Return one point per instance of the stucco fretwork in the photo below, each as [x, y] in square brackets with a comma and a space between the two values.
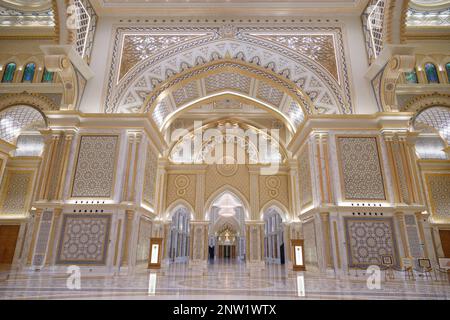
[322, 74]
[36, 100]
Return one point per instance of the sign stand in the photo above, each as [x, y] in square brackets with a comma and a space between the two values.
[298, 254]
[154, 257]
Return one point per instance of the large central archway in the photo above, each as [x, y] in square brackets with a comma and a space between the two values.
[226, 213]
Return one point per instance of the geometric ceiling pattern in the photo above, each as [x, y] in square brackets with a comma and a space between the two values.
[437, 118]
[227, 82]
[16, 16]
[16, 119]
[428, 16]
[145, 58]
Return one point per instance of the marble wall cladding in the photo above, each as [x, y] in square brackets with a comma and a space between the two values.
[306, 196]
[42, 239]
[254, 243]
[94, 171]
[438, 187]
[309, 234]
[16, 192]
[143, 246]
[151, 167]
[368, 239]
[84, 239]
[360, 168]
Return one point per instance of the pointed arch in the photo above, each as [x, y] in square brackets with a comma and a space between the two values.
[271, 92]
[172, 208]
[329, 90]
[231, 95]
[219, 192]
[278, 206]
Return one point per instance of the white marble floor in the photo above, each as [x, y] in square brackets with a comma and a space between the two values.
[217, 281]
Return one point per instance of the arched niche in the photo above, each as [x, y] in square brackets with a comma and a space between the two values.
[21, 125]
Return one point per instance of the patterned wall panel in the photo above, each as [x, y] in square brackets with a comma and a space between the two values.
[438, 186]
[84, 239]
[273, 188]
[401, 173]
[180, 186]
[304, 175]
[360, 168]
[143, 247]
[42, 239]
[309, 234]
[414, 242]
[368, 239]
[151, 166]
[16, 192]
[94, 172]
[239, 180]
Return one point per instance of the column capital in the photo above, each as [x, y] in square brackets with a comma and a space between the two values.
[129, 214]
[399, 213]
[57, 212]
[325, 216]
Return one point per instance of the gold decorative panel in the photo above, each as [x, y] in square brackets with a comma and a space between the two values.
[273, 188]
[438, 186]
[94, 171]
[150, 176]
[181, 186]
[360, 168]
[304, 175]
[16, 193]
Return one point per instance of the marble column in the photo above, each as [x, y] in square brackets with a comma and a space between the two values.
[254, 234]
[254, 194]
[129, 215]
[325, 220]
[36, 222]
[400, 218]
[50, 260]
[199, 243]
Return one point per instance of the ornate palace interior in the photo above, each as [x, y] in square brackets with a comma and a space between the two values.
[226, 131]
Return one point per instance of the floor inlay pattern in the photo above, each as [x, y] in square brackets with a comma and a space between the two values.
[217, 281]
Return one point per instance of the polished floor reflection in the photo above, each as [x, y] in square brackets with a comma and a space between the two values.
[221, 280]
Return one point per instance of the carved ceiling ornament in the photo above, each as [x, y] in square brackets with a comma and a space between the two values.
[32, 99]
[243, 43]
[186, 84]
[396, 66]
[419, 103]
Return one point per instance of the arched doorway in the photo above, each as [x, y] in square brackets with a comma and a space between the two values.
[226, 234]
[274, 246]
[179, 234]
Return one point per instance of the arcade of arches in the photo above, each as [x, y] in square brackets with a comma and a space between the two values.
[225, 137]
